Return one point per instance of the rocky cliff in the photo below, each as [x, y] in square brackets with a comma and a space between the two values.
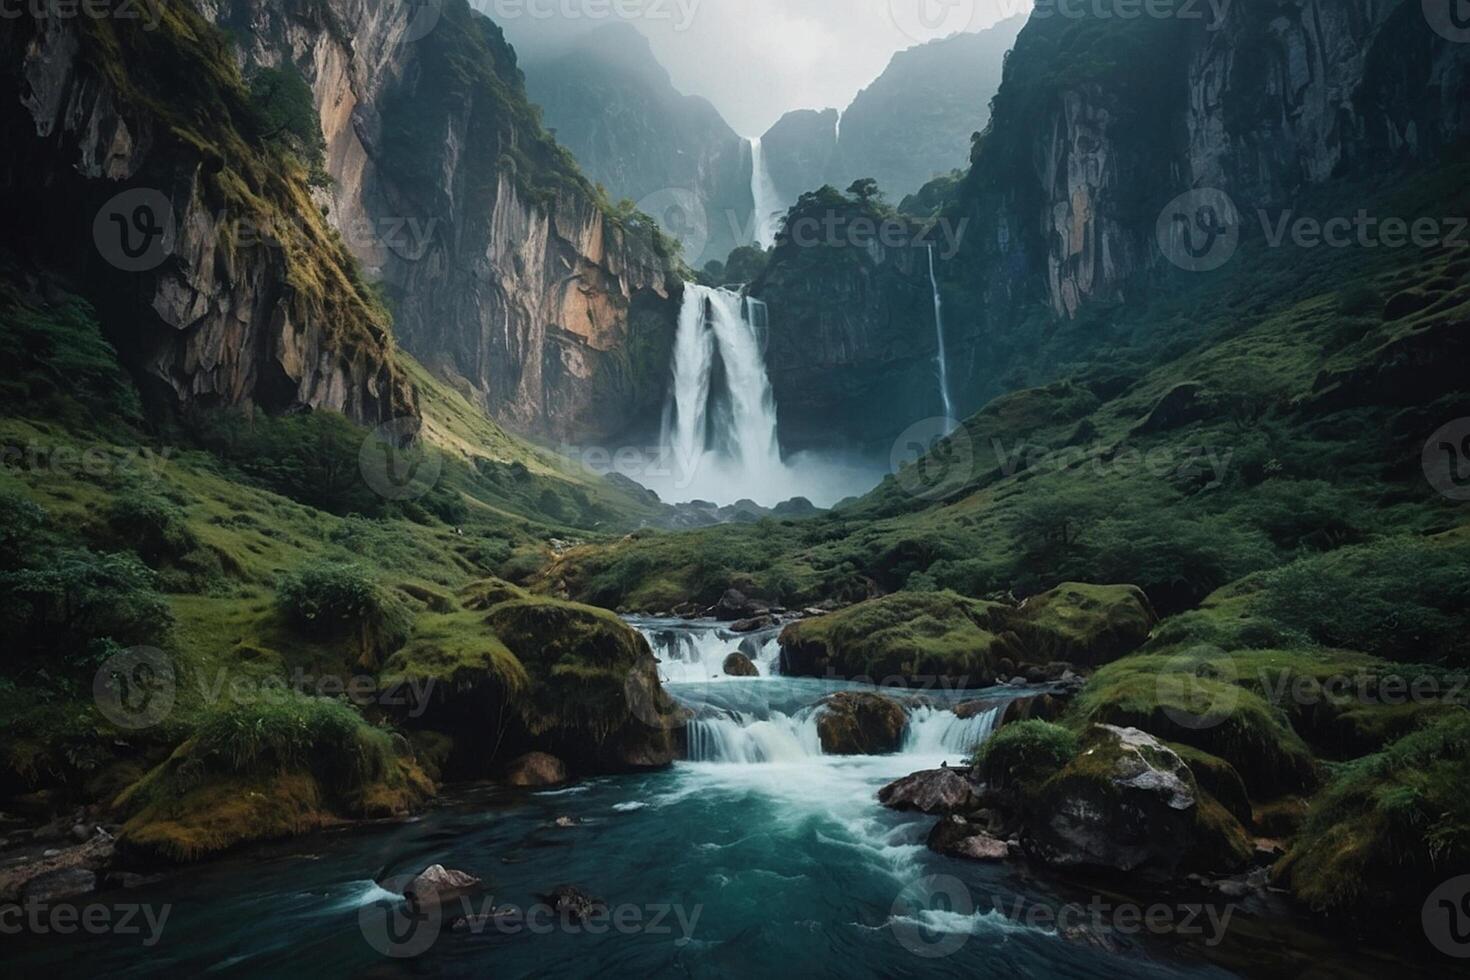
[1098, 126]
[611, 103]
[136, 168]
[507, 272]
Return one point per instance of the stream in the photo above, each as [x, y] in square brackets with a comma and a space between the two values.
[759, 856]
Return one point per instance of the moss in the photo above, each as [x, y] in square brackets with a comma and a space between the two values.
[906, 635]
[584, 664]
[273, 768]
[1389, 827]
[1025, 754]
[1186, 699]
[453, 652]
[1084, 624]
[1219, 779]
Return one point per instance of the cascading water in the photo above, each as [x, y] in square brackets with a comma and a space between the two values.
[690, 653]
[933, 731]
[943, 359]
[763, 193]
[719, 431]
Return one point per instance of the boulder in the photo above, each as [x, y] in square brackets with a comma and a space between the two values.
[753, 625]
[437, 884]
[932, 791]
[739, 665]
[536, 769]
[1126, 801]
[1082, 624]
[851, 723]
[957, 837]
[58, 886]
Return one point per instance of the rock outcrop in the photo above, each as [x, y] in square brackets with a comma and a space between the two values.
[935, 791]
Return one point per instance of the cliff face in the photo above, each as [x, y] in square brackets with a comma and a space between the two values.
[1058, 214]
[611, 103]
[505, 273]
[204, 313]
[1278, 99]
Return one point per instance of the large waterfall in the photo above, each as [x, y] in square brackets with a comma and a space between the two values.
[719, 428]
[943, 359]
[767, 201]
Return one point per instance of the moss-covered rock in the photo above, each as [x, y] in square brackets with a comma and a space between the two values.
[1086, 625]
[1125, 802]
[1389, 827]
[851, 723]
[268, 770]
[905, 635]
[1187, 699]
[1219, 779]
[593, 693]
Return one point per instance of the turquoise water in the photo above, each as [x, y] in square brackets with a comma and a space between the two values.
[717, 869]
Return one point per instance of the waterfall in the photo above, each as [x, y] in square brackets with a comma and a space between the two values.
[763, 192]
[939, 333]
[837, 130]
[933, 731]
[690, 653]
[719, 427]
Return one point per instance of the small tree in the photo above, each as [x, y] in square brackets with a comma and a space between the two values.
[287, 115]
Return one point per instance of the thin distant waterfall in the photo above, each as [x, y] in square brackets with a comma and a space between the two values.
[763, 192]
[837, 130]
[734, 447]
[939, 333]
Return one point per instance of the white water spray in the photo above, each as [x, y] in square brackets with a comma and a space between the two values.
[943, 359]
[767, 202]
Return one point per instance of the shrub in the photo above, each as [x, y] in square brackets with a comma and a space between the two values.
[335, 601]
[1025, 754]
[151, 525]
[1403, 599]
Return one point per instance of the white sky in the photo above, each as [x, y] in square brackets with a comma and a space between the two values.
[758, 59]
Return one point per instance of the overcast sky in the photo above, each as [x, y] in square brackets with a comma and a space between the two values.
[758, 59]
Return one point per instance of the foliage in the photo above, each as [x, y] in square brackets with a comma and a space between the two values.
[1025, 753]
[287, 112]
[340, 601]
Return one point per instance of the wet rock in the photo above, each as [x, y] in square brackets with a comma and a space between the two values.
[574, 903]
[130, 879]
[850, 723]
[957, 837]
[753, 625]
[58, 886]
[506, 915]
[565, 822]
[536, 769]
[739, 665]
[932, 791]
[437, 884]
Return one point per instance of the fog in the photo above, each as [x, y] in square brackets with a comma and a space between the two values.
[756, 59]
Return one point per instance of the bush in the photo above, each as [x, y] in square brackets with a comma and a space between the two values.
[1403, 599]
[77, 604]
[151, 525]
[1025, 754]
[335, 601]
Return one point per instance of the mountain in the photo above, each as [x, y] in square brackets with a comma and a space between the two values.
[609, 101]
[1056, 244]
[913, 122]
